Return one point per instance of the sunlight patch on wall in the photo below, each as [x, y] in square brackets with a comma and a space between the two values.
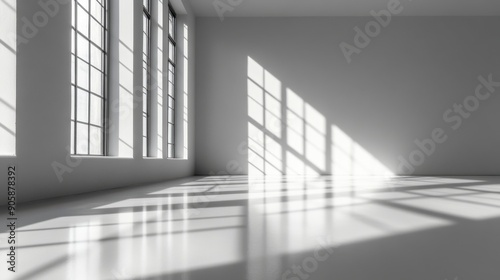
[126, 86]
[287, 135]
[349, 158]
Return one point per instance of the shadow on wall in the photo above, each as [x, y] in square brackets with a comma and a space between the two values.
[287, 135]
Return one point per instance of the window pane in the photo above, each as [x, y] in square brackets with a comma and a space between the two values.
[84, 3]
[83, 47]
[73, 41]
[96, 57]
[96, 81]
[171, 103]
[171, 51]
[73, 98]
[170, 134]
[82, 139]
[145, 23]
[83, 74]
[72, 69]
[145, 76]
[96, 33]
[170, 24]
[95, 110]
[171, 115]
[170, 67]
[72, 143]
[170, 88]
[144, 125]
[96, 10]
[170, 76]
[95, 140]
[83, 21]
[82, 104]
[73, 8]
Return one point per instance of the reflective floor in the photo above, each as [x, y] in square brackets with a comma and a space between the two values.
[342, 228]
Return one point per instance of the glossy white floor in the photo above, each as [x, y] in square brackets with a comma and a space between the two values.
[263, 229]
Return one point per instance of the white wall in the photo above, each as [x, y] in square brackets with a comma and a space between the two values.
[43, 116]
[356, 118]
[8, 81]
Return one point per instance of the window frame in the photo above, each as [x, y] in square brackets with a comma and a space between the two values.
[171, 145]
[104, 72]
[146, 137]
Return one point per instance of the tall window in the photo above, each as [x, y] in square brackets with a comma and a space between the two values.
[171, 82]
[146, 57]
[88, 76]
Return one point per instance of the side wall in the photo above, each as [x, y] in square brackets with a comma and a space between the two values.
[43, 112]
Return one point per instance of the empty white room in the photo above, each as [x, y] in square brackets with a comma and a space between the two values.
[249, 139]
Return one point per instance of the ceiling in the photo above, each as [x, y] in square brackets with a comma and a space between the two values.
[293, 8]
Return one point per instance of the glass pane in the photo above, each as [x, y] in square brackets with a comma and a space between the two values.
[83, 47]
[170, 134]
[82, 139]
[170, 76]
[96, 81]
[171, 25]
[73, 103]
[171, 117]
[159, 55]
[83, 74]
[95, 110]
[96, 10]
[145, 76]
[84, 3]
[73, 69]
[82, 103]
[95, 141]
[96, 33]
[171, 102]
[145, 126]
[73, 41]
[170, 89]
[160, 13]
[144, 147]
[171, 51]
[73, 8]
[72, 143]
[83, 21]
[96, 56]
[145, 102]
[170, 67]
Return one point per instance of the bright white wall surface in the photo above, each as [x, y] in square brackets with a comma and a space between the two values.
[277, 95]
[8, 77]
[43, 109]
